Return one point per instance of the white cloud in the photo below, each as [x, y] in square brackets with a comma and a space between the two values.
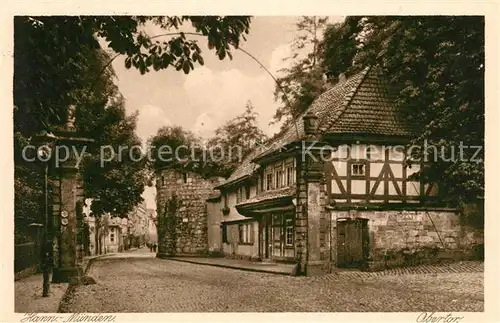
[220, 96]
[277, 59]
[204, 125]
[151, 118]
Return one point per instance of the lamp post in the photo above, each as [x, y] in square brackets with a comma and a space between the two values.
[44, 155]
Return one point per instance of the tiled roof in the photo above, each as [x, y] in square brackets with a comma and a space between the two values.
[213, 195]
[245, 168]
[371, 110]
[327, 107]
[271, 195]
[362, 104]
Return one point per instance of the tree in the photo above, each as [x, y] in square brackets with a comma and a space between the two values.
[339, 46]
[173, 146]
[59, 61]
[51, 52]
[436, 64]
[28, 199]
[116, 182]
[235, 140]
[303, 81]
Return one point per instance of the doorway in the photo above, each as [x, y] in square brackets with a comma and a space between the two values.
[277, 236]
[352, 243]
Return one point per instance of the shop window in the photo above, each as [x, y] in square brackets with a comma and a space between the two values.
[245, 231]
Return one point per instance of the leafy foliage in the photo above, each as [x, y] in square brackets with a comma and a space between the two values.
[59, 61]
[437, 65]
[173, 146]
[303, 81]
[47, 81]
[218, 156]
[28, 199]
[236, 139]
[116, 184]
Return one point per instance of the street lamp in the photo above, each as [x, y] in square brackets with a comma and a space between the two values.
[44, 155]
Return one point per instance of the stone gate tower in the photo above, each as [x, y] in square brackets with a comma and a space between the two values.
[182, 216]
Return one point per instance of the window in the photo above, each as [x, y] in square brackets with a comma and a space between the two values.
[245, 233]
[279, 178]
[112, 237]
[269, 182]
[239, 195]
[289, 176]
[247, 192]
[358, 169]
[185, 177]
[289, 232]
[163, 180]
[224, 233]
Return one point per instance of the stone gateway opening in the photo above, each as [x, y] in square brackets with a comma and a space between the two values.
[353, 243]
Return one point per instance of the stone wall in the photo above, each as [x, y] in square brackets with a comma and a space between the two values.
[403, 237]
[214, 214]
[191, 217]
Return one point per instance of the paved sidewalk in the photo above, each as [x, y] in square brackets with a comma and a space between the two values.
[256, 266]
[28, 293]
[29, 299]
[442, 268]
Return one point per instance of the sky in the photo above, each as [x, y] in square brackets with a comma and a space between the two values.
[212, 94]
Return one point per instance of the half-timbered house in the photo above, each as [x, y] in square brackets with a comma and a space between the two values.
[336, 190]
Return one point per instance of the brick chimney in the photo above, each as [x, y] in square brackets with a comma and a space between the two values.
[310, 123]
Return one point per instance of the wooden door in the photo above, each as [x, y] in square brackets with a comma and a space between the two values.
[352, 242]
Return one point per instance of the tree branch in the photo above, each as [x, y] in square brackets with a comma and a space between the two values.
[238, 48]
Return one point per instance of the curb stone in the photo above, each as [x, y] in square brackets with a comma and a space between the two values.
[231, 267]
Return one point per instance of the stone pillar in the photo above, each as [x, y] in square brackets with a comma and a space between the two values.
[312, 227]
[67, 267]
[317, 263]
[65, 201]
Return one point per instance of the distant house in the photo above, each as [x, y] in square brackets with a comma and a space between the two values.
[114, 235]
[113, 232]
[152, 233]
[138, 226]
[334, 190]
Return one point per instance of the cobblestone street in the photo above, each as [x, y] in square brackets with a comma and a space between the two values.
[147, 284]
